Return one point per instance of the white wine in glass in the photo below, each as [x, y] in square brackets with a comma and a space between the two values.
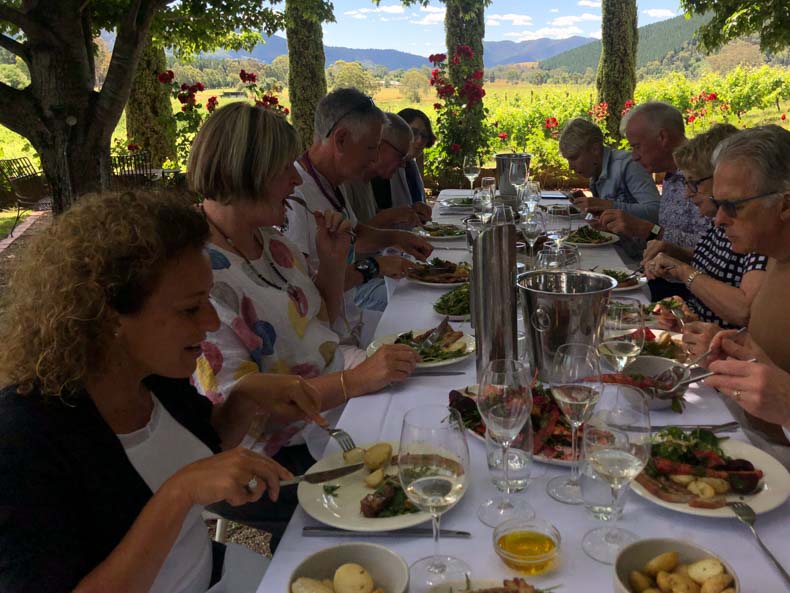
[517, 176]
[433, 466]
[623, 333]
[471, 169]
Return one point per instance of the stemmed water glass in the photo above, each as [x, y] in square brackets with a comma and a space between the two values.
[575, 383]
[504, 399]
[471, 169]
[623, 333]
[533, 227]
[433, 466]
[616, 449]
[531, 196]
[559, 225]
[517, 175]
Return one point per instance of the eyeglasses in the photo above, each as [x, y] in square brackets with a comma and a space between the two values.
[693, 184]
[730, 207]
[419, 134]
[367, 105]
[404, 157]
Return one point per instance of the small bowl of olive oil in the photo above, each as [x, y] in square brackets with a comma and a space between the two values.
[528, 546]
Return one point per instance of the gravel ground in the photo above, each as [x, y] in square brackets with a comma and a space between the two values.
[254, 539]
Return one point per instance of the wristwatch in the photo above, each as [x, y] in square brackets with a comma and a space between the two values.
[369, 268]
[655, 232]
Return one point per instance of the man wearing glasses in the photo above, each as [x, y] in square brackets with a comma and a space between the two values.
[346, 139]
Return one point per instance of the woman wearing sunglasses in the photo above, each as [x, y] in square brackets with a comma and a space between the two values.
[423, 138]
[721, 282]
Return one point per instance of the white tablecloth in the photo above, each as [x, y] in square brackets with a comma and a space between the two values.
[378, 417]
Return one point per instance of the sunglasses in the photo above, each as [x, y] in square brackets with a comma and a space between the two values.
[693, 184]
[730, 207]
[367, 105]
[404, 157]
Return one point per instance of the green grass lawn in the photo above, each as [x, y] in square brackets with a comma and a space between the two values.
[7, 218]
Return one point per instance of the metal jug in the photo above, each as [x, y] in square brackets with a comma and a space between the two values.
[493, 294]
[561, 307]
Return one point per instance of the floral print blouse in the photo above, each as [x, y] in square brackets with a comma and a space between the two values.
[276, 325]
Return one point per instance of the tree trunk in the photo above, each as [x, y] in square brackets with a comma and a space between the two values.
[149, 114]
[306, 77]
[66, 120]
[616, 79]
[464, 24]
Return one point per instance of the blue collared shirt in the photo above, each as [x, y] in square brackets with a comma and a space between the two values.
[627, 184]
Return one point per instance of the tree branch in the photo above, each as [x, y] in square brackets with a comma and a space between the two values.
[30, 27]
[14, 47]
[18, 112]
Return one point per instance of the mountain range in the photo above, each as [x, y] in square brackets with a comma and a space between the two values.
[495, 53]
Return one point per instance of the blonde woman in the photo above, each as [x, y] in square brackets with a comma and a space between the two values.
[108, 454]
[275, 312]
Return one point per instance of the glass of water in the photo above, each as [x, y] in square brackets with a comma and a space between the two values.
[489, 184]
[531, 196]
[504, 400]
[623, 333]
[519, 461]
[616, 449]
[473, 228]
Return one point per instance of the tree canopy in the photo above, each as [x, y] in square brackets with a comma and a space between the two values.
[770, 19]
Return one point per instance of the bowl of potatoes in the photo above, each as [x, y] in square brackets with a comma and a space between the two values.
[351, 568]
[672, 566]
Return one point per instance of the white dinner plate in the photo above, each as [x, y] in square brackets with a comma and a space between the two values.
[641, 280]
[453, 317]
[342, 509]
[437, 284]
[612, 239]
[461, 237]
[467, 339]
[469, 391]
[775, 484]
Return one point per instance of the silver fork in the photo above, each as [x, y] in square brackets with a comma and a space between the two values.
[746, 515]
[303, 204]
[342, 437]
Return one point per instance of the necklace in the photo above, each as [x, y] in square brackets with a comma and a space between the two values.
[291, 290]
[337, 201]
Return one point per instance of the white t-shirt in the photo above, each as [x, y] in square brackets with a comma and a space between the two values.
[301, 231]
[157, 451]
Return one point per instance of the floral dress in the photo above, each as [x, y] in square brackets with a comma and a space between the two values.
[276, 325]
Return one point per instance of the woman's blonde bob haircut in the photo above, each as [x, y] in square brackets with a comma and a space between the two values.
[99, 260]
[238, 152]
[696, 155]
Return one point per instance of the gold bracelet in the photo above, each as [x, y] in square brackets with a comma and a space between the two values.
[343, 385]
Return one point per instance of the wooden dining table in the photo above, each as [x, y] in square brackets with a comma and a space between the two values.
[378, 417]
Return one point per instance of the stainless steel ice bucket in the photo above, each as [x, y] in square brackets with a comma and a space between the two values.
[493, 294]
[561, 307]
[503, 160]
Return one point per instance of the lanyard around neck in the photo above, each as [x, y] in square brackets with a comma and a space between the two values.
[334, 197]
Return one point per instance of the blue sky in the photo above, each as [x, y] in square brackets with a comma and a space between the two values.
[420, 30]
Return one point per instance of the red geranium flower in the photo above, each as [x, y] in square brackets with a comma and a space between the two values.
[437, 106]
[477, 74]
[133, 147]
[211, 104]
[783, 117]
[166, 77]
[551, 122]
[712, 96]
[502, 135]
[437, 58]
[455, 147]
[456, 60]
[465, 51]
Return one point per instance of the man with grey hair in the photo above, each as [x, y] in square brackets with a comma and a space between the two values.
[654, 130]
[347, 134]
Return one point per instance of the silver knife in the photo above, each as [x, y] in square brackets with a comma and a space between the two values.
[409, 531]
[420, 373]
[324, 476]
[728, 427]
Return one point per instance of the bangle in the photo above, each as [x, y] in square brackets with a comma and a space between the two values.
[343, 385]
[693, 276]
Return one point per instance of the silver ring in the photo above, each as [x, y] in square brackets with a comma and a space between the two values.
[737, 394]
[252, 484]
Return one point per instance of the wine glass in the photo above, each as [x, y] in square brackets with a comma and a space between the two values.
[504, 399]
[531, 195]
[575, 384]
[517, 175]
[489, 184]
[553, 256]
[433, 466]
[559, 225]
[616, 449]
[471, 168]
[533, 227]
[623, 333]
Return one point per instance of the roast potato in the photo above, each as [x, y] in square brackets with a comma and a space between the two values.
[378, 456]
[352, 578]
[716, 584]
[666, 562]
[702, 570]
[355, 455]
[306, 585]
[374, 479]
[639, 581]
[680, 583]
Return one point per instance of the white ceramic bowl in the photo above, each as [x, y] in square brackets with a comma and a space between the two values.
[389, 571]
[635, 556]
[652, 366]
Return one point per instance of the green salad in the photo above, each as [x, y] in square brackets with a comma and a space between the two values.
[433, 353]
[455, 302]
[587, 235]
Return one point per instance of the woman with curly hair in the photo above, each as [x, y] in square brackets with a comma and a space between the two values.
[108, 454]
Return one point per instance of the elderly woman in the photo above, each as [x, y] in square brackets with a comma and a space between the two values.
[275, 311]
[109, 454]
[721, 282]
[616, 181]
[423, 138]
